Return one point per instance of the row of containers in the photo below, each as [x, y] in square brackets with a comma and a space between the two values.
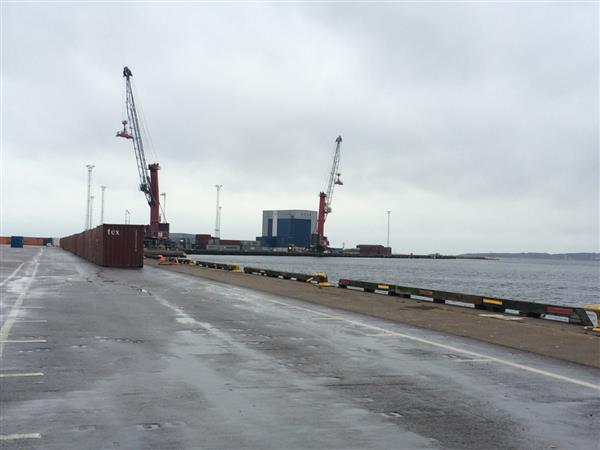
[109, 245]
[20, 241]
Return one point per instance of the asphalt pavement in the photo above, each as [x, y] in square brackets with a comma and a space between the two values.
[97, 358]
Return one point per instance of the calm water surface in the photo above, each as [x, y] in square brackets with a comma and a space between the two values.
[550, 281]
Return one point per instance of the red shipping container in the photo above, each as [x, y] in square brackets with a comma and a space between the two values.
[229, 242]
[202, 239]
[33, 241]
[110, 245]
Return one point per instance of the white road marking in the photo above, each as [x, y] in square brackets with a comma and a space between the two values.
[473, 360]
[7, 325]
[14, 375]
[22, 341]
[500, 316]
[11, 275]
[447, 347]
[427, 342]
[13, 437]
[22, 320]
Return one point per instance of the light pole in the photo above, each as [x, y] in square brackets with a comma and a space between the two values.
[388, 230]
[87, 202]
[127, 216]
[218, 218]
[91, 210]
[164, 203]
[103, 188]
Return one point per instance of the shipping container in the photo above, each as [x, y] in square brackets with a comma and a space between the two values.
[374, 250]
[202, 239]
[229, 248]
[16, 241]
[110, 245]
[33, 241]
[4, 240]
[229, 242]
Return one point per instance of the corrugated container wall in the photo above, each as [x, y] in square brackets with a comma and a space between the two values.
[109, 245]
[16, 241]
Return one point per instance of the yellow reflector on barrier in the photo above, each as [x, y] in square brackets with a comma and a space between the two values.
[382, 286]
[492, 302]
[594, 309]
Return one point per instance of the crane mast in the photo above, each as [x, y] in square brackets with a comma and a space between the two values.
[326, 198]
[148, 174]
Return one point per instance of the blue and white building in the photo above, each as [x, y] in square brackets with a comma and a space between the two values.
[281, 228]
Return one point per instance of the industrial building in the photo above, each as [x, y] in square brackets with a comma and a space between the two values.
[281, 228]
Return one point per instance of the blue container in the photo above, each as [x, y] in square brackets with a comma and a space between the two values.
[16, 241]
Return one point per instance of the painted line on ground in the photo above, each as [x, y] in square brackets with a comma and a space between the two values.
[14, 437]
[473, 360]
[447, 347]
[22, 320]
[12, 315]
[428, 342]
[15, 375]
[8, 278]
[22, 341]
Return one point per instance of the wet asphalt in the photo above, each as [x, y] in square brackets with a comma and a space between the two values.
[97, 358]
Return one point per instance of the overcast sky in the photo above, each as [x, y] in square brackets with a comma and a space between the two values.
[476, 124]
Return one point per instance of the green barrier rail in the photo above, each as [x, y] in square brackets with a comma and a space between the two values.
[529, 309]
[317, 278]
[221, 266]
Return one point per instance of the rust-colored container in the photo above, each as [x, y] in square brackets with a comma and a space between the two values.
[109, 245]
[4, 240]
[33, 241]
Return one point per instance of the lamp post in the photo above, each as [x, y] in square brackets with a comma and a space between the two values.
[103, 188]
[164, 208]
[87, 202]
[127, 216]
[91, 211]
[388, 228]
[218, 217]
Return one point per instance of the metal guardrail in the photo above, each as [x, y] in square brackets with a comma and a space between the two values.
[317, 278]
[529, 309]
[221, 266]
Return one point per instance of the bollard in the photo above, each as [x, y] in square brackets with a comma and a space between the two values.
[596, 310]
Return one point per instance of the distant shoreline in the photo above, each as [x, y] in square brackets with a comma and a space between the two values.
[582, 256]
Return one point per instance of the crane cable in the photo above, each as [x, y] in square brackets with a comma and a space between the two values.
[144, 129]
[150, 142]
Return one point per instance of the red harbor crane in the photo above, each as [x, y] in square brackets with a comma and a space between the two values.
[148, 174]
[319, 240]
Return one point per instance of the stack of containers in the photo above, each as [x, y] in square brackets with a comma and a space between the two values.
[109, 245]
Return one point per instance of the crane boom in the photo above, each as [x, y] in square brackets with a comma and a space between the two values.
[136, 137]
[148, 174]
[332, 176]
[326, 197]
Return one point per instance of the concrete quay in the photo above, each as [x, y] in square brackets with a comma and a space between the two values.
[96, 358]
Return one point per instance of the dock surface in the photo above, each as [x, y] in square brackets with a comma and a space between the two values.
[149, 358]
